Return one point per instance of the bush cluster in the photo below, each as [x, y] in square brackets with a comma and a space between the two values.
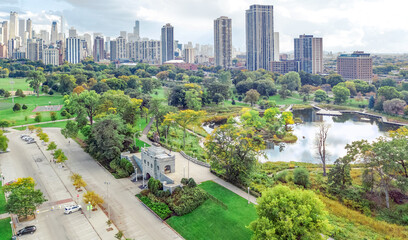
[122, 167]
[185, 200]
[160, 208]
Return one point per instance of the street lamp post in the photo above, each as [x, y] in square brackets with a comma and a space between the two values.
[107, 196]
[248, 195]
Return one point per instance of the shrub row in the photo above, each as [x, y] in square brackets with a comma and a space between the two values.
[161, 209]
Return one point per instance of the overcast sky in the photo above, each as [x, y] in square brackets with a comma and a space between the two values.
[378, 26]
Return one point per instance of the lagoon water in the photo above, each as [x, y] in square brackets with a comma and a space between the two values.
[344, 130]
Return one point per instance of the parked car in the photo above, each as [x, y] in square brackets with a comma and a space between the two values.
[73, 208]
[30, 141]
[27, 230]
[28, 138]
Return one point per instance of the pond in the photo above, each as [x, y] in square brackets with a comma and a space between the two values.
[343, 130]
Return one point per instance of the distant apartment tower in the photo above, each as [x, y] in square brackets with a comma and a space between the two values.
[113, 50]
[259, 37]
[21, 28]
[167, 42]
[276, 46]
[188, 55]
[73, 50]
[3, 50]
[309, 52]
[54, 32]
[358, 65]
[72, 33]
[223, 42]
[45, 36]
[146, 51]
[29, 28]
[121, 47]
[34, 49]
[285, 66]
[5, 32]
[136, 30]
[98, 49]
[13, 28]
[51, 56]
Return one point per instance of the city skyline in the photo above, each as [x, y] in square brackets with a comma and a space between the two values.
[345, 25]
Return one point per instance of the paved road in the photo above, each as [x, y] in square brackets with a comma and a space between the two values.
[26, 160]
[128, 214]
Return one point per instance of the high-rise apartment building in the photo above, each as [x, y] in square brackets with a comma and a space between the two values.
[73, 50]
[167, 42]
[309, 51]
[136, 30]
[21, 28]
[5, 32]
[29, 28]
[88, 39]
[189, 55]
[34, 50]
[276, 46]
[12, 46]
[223, 42]
[51, 56]
[3, 50]
[146, 51]
[45, 36]
[121, 47]
[72, 33]
[358, 65]
[98, 49]
[13, 28]
[54, 32]
[259, 37]
[113, 50]
[123, 34]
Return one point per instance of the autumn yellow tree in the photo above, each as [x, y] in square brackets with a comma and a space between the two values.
[77, 181]
[93, 198]
[185, 118]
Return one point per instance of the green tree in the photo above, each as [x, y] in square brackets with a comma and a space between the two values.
[341, 94]
[388, 92]
[371, 102]
[35, 80]
[233, 150]
[16, 107]
[3, 141]
[86, 102]
[320, 96]
[53, 116]
[38, 117]
[20, 93]
[52, 146]
[291, 80]
[23, 199]
[193, 100]
[252, 96]
[4, 124]
[290, 214]
[71, 129]
[158, 109]
[67, 83]
[334, 79]
[301, 177]
[339, 177]
[394, 106]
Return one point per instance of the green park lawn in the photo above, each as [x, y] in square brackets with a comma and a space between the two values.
[5, 229]
[2, 201]
[19, 83]
[211, 221]
[229, 103]
[46, 125]
[6, 108]
[294, 99]
[160, 94]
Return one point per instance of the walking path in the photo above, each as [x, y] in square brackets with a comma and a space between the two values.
[25, 125]
[4, 215]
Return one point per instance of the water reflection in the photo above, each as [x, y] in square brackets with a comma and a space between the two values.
[344, 129]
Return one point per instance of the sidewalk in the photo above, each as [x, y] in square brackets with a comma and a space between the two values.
[4, 215]
[97, 218]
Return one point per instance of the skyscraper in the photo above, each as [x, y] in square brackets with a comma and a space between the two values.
[45, 36]
[136, 30]
[72, 33]
[29, 28]
[167, 42]
[34, 49]
[276, 46]
[51, 56]
[98, 49]
[21, 28]
[259, 37]
[54, 32]
[5, 32]
[13, 29]
[309, 51]
[223, 42]
[73, 50]
[113, 51]
[121, 47]
[189, 55]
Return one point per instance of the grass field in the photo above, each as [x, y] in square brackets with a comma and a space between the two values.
[160, 94]
[46, 125]
[295, 99]
[2, 201]
[5, 229]
[211, 221]
[6, 111]
[229, 103]
[19, 83]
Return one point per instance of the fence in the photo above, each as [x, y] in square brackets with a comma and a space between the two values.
[194, 160]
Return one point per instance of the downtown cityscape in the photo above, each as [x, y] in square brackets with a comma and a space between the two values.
[203, 120]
